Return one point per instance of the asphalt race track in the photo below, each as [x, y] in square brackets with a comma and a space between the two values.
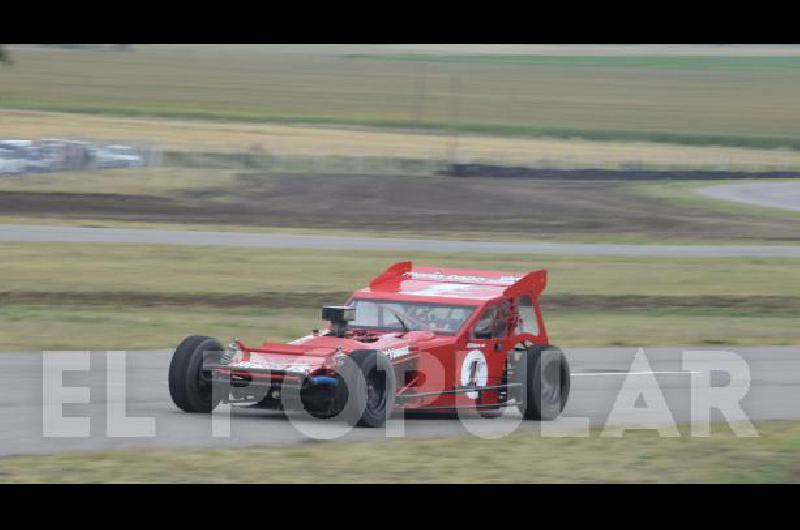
[65, 234]
[784, 195]
[598, 374]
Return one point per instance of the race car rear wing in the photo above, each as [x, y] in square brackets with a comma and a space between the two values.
[513, 283]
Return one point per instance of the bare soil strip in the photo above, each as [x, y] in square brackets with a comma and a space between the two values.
[422, 205]
[750, 304]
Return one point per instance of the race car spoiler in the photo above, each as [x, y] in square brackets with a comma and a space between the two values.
[514, 283]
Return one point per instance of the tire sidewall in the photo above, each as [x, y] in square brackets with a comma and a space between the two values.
[544, 360]
[354, 374]
[184, 375]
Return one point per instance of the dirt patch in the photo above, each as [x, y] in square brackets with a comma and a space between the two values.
[772, 305]
[99, 205]
[424, 205]
[272, 300]
[495, 171]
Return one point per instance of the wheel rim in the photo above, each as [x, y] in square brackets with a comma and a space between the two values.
[204, 386]
[551, 383]
[376, 392]
[202, 383]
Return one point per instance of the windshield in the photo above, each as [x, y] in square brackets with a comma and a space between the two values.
[417, 316]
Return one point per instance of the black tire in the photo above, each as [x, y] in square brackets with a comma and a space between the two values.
[189, 391]
[370, 384]
[545, 383]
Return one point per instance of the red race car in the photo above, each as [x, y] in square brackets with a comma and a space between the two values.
[418, 339]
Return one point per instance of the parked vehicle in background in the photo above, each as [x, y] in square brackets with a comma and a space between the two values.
[9, 164]
[13, 157]
[16, 144]
[67, 155]
[27, 152]
[61, 154]
[112, 156]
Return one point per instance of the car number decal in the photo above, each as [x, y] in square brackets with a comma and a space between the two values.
[474, 371]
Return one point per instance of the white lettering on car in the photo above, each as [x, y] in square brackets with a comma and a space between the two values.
[439, 277]
[394, 353]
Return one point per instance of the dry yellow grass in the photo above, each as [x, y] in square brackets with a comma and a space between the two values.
[195, 135]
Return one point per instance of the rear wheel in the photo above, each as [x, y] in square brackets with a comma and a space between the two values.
[545, 383]
[189, 387]
[370, 383]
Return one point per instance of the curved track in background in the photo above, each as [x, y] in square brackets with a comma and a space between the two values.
[785, 195]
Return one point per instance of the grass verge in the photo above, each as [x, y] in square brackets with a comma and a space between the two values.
[99, 328]
[154, 269]
[637, 457]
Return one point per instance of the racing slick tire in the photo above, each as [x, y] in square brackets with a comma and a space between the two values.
[189, 390]
[545, 383]
[370, 384]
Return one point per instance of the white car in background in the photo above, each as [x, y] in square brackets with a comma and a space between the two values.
[9, 166]
[59, 154]
[11, 161]
[116, 156]
[16, 144]
[22, 156]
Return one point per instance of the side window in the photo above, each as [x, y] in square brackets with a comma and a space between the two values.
[493, 323]
[527, 316]
[483, 328]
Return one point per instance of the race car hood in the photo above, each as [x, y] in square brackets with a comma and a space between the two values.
[313, 352]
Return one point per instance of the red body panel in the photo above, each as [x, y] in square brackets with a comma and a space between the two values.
[426, 362]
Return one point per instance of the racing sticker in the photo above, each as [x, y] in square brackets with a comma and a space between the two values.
[439, 277]
[296, 366]
[452, 290]
[394, 353]
[474, 371]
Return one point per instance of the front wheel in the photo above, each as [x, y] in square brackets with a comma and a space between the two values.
[189, 387]
[545, 382]
[370, 383]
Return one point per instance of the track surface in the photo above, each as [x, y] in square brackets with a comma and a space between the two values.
[784, 195]
[41, 233]
[597, 377]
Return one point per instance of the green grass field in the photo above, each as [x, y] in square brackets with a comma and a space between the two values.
[73, 296]
[638, 457]
[660, 62]
[736, 101]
